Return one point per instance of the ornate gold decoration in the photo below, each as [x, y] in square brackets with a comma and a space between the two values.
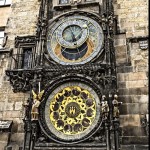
[90, 49]
[36, 104]
[72, 110]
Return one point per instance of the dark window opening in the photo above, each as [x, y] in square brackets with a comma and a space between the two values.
[27, 58]
[5, 2]
[63, 1]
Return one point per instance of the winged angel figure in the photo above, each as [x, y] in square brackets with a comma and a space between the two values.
[36, 104]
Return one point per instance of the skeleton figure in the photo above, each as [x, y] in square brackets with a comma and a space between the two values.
[26, 106]
[104, 107]
[36, 104]
[75, 1]
[116, 105]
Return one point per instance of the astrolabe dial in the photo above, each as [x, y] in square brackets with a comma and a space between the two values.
[74, 40]
[72, 34]
[72, 111]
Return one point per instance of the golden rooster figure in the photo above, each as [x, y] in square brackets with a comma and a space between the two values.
[36, 104]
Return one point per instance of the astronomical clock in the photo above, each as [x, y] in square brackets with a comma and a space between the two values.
[70, 73]
[76, 39]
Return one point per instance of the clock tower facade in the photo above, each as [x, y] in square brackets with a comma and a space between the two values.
[68, 69]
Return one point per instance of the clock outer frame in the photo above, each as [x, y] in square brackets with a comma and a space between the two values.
[54, 23]
[50, 88]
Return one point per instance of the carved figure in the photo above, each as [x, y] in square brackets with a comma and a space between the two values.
[104, 107]
[116, 105]
[36, 104]
[26, 106]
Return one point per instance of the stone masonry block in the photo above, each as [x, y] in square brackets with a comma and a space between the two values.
[135, 140]
[1, 115]
[133, 98]
[121, 61]
[124, 69]
[12, 114]
[133, 131]
[120, 40]
[9, 106]
[121, 50]
[138, 91]
[143, 108]
[3, 144]
[2, 106]
[4, 136]
[18, 105]
[129, 108]
[18, 136]
[144, 99]
[130, 120]
[134, 84]
[121, 84]
[133, 91]
[137, 76]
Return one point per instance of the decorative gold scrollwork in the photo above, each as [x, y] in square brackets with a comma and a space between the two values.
[72, 110]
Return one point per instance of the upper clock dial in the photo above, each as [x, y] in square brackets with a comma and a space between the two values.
[74, 40]
[72, 34]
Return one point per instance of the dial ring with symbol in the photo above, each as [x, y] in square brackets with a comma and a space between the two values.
[70, 28]
[84, 50]
[83, 120]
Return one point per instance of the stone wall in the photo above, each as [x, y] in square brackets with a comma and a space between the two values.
[132, 68]
[21, 22]
[4, 13]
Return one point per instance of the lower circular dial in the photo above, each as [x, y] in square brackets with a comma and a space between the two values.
[72, 112]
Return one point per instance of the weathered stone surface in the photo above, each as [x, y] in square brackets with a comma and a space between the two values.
[135, 140]
[18, 105]
[1, 106]
[122, 84]
[138, 83]
[133, 91]
[9, 106]
[124, 69]
[143, 108]
[12, 114]
[18, 136]
[120, 40]
[129, 108]
[132, 17]
[133, 98]
[4, 136]
[130, 120]
[5, 12]
[134, 76]
[134, 147]
[133, 131]
[3, 144]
